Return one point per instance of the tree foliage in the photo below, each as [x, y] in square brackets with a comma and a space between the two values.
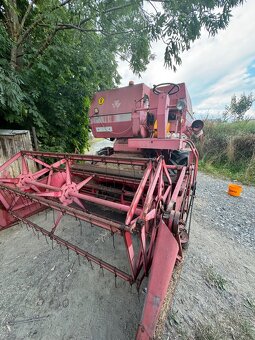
[238, 107]
[55, 54]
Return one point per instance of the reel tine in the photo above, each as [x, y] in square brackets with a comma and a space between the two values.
[90, 263]
[61, 248]
[80, 227]
[113, 241]
[67, 253]
[130, 287]
[115, 279]
[53, 214]
[119, 168]
[102, 269]
[79, 260]
[46, 239]
[52, 243]
[76, 218]
[138, 290]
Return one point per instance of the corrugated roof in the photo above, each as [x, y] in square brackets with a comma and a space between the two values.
[5, 132]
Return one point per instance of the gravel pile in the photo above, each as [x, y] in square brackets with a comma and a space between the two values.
[232, 215]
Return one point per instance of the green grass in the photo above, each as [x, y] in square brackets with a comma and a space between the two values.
[208, 332]
[228, 150]
[229, 171]
[235, 328]
[231, 129]
[214, 279]
[250, 304]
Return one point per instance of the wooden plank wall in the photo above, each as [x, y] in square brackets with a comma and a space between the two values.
[12, 144]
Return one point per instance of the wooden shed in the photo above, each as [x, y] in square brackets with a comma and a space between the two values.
[11, 142]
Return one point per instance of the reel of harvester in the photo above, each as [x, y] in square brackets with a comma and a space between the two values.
[144, 201]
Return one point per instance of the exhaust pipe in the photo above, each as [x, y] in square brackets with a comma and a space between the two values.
[197, 128]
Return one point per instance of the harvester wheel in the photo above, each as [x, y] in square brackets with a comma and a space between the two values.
[184, 239]
[107, 151]
[179, 157]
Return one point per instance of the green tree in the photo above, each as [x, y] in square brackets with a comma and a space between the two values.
[238, 107]
[129, 26]
[54, 53]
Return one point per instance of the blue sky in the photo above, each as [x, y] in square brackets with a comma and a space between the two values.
[214, 68]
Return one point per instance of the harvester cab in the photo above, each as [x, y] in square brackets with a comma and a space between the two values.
[141, 190]
[143, 121]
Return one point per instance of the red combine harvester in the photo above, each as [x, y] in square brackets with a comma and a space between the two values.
[145, 185]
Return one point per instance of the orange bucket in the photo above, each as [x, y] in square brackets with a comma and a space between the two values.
[235, 190]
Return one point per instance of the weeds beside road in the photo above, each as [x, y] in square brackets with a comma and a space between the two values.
[229, 150]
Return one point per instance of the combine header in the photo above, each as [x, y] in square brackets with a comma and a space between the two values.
[142, 189]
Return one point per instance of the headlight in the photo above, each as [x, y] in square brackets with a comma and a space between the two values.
[181, 104]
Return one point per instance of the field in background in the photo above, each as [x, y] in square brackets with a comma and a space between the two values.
[228, 149]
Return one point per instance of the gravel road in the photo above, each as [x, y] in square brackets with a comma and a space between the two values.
[43, 296]
[215, 298]
[233, 216]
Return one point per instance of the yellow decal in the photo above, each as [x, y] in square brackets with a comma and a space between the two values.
[101, 101]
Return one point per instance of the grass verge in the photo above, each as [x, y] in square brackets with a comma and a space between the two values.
[228, 150]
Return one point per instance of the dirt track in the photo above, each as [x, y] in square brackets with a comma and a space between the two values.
[43, 296]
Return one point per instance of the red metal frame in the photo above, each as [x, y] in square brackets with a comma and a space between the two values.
[63, 186]
[151, 198]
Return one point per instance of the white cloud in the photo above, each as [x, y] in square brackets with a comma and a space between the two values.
[214, 68]
[220, 93]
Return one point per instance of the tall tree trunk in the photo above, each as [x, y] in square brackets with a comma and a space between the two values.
[14, 29]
